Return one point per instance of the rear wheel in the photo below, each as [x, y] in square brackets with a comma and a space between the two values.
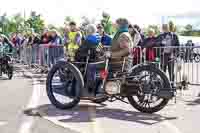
[152, 80]
[64, 86]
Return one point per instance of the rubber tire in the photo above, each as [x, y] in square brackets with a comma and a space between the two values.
[166, 84]
[10, 72]
[100, 100]
[197, 58]
[49, 90]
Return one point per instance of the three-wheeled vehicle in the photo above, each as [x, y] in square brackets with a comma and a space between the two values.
[144, 86]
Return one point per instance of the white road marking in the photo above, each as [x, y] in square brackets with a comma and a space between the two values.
[33, 103]
[26, 126]
[2, 123]
[95, 123]
[170, 126]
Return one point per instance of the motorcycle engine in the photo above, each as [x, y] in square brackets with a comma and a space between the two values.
[113, 87]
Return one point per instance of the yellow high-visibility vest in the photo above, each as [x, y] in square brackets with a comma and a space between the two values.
[72, 37]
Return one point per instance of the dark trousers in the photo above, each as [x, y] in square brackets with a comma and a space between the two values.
[168, 62]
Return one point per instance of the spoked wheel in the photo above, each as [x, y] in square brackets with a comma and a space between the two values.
[152, 80]
[197, 58]
[63, 86]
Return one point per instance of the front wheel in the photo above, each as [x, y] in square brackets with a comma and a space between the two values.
[197, 58]
[152, 81]
[64, 84]
[10, 72]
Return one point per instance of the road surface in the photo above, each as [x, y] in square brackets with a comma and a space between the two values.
[25, 108]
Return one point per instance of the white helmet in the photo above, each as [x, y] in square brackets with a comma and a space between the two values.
[91, 29]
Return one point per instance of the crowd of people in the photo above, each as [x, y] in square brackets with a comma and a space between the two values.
[76, 39]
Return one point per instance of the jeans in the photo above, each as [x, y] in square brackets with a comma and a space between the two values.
[167, 61]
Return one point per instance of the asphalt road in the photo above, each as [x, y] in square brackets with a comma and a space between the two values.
[15, 97]
[27, 91]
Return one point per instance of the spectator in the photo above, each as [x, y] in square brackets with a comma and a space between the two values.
[168, 39]
[55, 52]
[106, 23]
[55, 38]
[74, 40]
[105, 38]
[136, 38]
[46, 37]
[15, 40]
[135, 34]
[138, 29]
[66, 35]
[189, 50]
[16, 43]
[149, 43]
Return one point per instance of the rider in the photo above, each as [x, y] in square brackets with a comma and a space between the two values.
[5, 45]
[91, 42]
[8, 46]
[122, 44]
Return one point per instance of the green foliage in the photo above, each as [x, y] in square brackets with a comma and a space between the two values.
[172, 27]
[156, 28]
[68, 19]
[36, 23]
[189, 31]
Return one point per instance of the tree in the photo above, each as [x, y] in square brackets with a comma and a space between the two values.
[189, 27]
[35, 22]
[172, 27]
[4, 21]
[154, 27]
[68, 19]
[50, 26]
[16, 23]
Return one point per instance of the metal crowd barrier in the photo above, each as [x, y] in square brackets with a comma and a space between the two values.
[41, 56]
[181, 64]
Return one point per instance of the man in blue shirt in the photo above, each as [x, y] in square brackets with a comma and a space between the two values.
[105, 38]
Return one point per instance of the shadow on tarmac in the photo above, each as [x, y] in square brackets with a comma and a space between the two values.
[193, 103]
[80, 114]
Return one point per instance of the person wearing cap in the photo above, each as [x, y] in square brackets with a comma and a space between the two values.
[73, 40]
[106, 23]
[122, 45]
[105, 38]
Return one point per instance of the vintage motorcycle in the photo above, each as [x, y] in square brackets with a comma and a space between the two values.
[6, 66]
[144, 86]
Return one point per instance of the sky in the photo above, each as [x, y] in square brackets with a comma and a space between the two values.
[141, 12]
